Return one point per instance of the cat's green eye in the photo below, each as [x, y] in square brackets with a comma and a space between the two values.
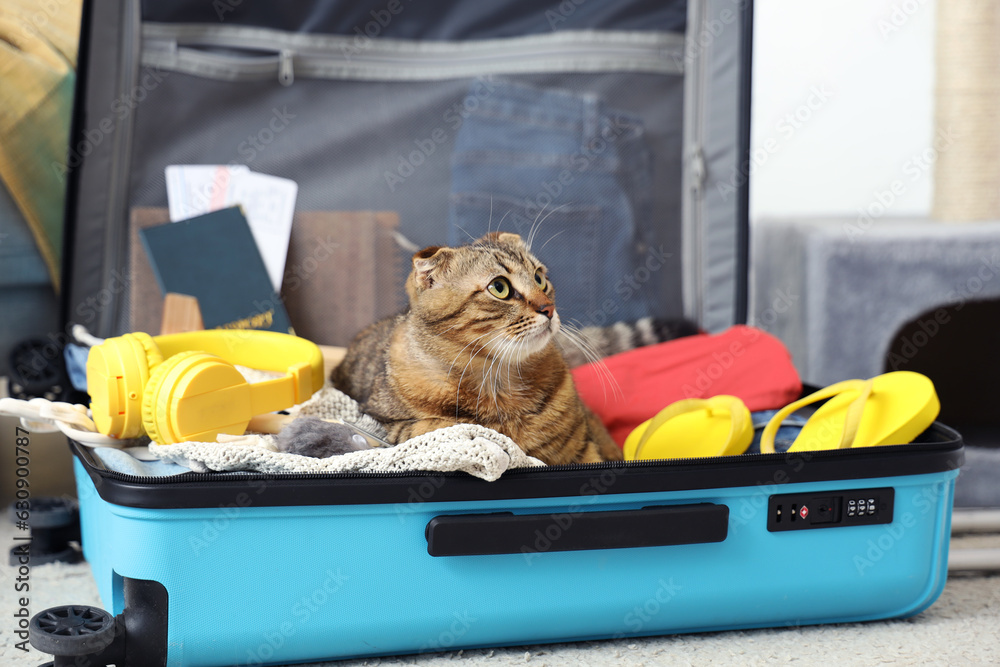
[540, 280]
[500, 288]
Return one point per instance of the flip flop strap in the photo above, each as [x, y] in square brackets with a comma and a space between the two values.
[730, 403]
[852, 420]
[767, 437]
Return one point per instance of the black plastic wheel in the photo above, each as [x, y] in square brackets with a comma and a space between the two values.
[71, 630]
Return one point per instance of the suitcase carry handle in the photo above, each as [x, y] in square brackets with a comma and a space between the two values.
[508, 533]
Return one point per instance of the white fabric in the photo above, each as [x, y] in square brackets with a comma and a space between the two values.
[470, 448]
[474, 449]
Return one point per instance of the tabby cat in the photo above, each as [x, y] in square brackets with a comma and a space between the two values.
[476, 346]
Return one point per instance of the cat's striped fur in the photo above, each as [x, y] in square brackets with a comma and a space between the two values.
[468, 351]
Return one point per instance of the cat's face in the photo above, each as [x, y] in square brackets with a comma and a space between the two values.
[491, 295]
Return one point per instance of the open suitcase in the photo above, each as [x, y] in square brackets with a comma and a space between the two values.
[628, 123]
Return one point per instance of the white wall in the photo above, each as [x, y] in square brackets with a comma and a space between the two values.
[842, 107]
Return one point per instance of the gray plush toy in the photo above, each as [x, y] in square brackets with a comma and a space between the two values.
[320, 439]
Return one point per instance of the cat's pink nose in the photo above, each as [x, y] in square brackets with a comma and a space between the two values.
[548, 310]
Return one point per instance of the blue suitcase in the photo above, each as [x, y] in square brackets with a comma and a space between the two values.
[627, 124]
[257, 569]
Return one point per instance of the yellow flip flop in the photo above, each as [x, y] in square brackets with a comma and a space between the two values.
[692, 428]
[889, 409]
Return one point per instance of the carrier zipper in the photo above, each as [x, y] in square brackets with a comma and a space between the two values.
[115, 242]
[692, 202]
[241, 53]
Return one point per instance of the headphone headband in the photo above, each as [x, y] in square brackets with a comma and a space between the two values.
[183, 386]
[262, 350]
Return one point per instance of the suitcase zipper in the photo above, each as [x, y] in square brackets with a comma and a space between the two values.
[407, 490]
[867, 453]
[239, 53]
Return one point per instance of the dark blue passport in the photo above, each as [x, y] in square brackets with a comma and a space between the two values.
[213, 258]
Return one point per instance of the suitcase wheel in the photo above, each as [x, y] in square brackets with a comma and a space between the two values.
[83, 635]
[72, 630]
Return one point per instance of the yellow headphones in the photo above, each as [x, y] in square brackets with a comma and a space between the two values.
[184, 386]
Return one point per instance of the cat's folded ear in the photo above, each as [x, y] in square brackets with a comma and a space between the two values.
[428, 264]
[506, 238]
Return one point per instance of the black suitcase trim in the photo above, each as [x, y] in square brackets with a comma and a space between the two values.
[938, 449]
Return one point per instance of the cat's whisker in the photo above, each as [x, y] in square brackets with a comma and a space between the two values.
[531, 230]
[397, 367]
[511, 358]
[495, 363]
[515, 355]
[514, 358]
[535, 224]
[573, 335]
[519, 376]
[538, 225]
[482, 383]
[453, 326]
[599, 366]
[489, 221]
[550, 239]
[466, 232]
[464, 348]
[496, 385]
[500, 224]
[458, 390]
[502, 357]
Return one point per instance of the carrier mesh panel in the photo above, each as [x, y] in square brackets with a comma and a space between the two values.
[385, 167]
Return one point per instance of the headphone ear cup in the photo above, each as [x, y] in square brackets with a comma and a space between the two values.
[195, 396]
[152, 391]
[117, 372]
[153, 355]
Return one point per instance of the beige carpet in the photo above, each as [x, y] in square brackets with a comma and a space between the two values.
[962, 628]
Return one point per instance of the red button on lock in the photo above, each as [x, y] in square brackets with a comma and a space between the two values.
[804, 512]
